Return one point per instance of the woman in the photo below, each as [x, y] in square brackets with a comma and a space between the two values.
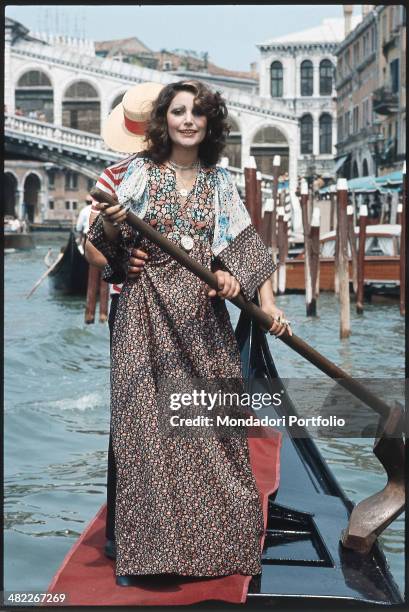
[184, 506]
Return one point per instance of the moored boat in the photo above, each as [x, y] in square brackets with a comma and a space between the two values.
[70, 276]
[302, 558]
[51, 226]
[20, 241]
[381, 261]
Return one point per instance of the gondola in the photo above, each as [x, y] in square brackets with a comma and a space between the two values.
[70, 276]
[302, 559]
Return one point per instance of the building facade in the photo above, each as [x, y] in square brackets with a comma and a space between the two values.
[389, 98]
[65, 90]
[371, 94]
[356, 80]
[299, 68]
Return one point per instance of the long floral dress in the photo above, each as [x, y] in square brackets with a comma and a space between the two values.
[186, 506]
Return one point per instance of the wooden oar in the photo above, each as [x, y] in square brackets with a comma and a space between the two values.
[263, 319]
[40, 280]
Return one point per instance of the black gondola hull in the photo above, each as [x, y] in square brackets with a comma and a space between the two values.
[70, 277]
[303, 558]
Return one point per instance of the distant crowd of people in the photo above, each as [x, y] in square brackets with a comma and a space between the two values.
[38, 115]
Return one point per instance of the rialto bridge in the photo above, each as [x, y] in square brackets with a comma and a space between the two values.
[57, 96]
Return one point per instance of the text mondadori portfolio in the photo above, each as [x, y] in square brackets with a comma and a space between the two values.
[253, 421]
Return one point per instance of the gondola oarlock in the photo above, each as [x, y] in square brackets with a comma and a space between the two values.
[391, 506]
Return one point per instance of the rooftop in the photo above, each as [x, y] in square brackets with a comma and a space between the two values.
[331, 30]
[124, 45]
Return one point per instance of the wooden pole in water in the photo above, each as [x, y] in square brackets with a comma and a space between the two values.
[315, 256]
[250, 181]
[257, 219]
[343, 266]
[332, 196]
[103, 300]
[363, 216]
[403, 244]
[92, 291]
[352, 245]
[259, 204]
[287, 207]
[285, 227]
[399, 213]
[310, 308]
[281, 249]
[266, 222]
[336, 253]
[274, 246]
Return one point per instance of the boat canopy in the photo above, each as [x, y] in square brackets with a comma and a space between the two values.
[370, 184]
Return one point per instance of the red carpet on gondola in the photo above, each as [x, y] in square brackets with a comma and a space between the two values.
[88, 577]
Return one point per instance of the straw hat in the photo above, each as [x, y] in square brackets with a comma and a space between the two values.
[124, 130]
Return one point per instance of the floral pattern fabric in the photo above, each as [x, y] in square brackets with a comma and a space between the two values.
[186, 506]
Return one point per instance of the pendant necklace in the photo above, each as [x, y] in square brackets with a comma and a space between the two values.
[186, 241]
[183, 191]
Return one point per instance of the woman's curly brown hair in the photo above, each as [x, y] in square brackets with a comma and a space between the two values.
[211, 104]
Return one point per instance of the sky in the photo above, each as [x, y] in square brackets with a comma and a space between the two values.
[228, 33]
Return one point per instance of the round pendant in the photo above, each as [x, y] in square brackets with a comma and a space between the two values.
[187, 243]
[183, 192]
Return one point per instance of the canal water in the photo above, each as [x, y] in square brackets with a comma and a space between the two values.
[57, 412]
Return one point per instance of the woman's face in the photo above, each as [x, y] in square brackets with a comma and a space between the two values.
[186, 123]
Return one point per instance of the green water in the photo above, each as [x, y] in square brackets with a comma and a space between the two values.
[57, 420]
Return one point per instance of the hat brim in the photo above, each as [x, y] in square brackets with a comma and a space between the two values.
[117, 137]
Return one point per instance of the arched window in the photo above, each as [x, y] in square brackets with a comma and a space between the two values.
[268, 142]
[307, 78]
[365, 171]
[34, 78]
[325, 133]
[81, 108]
[34, 96]
[306, 135]
[355, 173]
[276, 80]
[326, 76]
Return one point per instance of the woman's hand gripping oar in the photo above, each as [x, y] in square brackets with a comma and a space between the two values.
[263, 319]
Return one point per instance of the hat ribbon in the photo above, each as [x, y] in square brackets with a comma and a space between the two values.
[136, 127]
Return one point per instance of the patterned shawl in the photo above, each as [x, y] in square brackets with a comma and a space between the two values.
[231, 216]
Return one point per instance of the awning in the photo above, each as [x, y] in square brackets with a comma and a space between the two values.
[340, 162]
[366, 184]
[393, 179]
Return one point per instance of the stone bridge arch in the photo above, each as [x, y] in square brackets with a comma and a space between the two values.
[32, 186]
[10, 193]
[267, 141]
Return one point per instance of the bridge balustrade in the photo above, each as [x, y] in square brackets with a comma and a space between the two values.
[91, 143]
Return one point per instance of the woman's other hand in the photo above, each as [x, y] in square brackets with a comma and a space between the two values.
[137, 260]
[229, 287]
[280, 324]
